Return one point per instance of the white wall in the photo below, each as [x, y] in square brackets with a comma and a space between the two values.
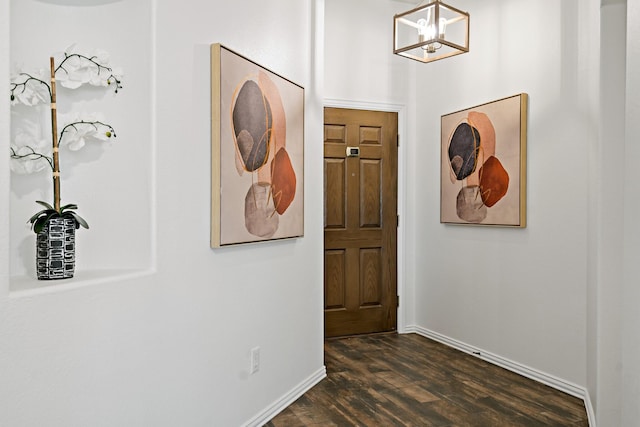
[631, 291]
[168, 345]
[604, 369]
[4, 177]
[359, 62]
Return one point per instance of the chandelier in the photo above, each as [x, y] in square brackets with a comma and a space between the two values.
[431, 31]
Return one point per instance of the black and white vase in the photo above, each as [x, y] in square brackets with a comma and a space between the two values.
[56, 249]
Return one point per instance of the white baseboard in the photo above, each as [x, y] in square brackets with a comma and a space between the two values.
[281, 404]
[518, 368]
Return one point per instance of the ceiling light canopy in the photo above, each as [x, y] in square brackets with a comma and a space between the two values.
[431, 31]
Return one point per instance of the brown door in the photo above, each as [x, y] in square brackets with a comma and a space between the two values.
[360, 221]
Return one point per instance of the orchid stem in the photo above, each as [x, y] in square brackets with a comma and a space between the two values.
[54, 132]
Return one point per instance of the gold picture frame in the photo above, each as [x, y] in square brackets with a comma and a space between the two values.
[257, 152]
[483, 164]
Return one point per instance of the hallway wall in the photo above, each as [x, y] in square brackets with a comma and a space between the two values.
[158, 333]
[631, 290]
[606, 287]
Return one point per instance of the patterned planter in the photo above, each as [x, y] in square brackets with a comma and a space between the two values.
[56, 249]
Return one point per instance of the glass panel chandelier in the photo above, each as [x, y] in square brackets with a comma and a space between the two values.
[431, 31]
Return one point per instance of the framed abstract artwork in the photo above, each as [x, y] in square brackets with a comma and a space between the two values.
[257, 148]
[483, 164]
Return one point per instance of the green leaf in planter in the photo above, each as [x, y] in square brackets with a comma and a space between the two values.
[39, 224]
[69, 206]
[40, 219]
[34, 217]
[45, 204]
[79, 220]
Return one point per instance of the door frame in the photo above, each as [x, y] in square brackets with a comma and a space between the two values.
[401, 210]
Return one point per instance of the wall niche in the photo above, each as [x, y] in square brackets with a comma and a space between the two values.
[111, 182]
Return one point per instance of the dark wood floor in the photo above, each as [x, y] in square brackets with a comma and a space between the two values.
[409, 380]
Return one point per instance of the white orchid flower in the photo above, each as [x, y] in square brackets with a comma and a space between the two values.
[78, 129]
[93, 68]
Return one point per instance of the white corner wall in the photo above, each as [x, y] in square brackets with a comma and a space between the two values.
[631, 271]
[170, 346]
[359, 45]
[605, 320]
[4, 172]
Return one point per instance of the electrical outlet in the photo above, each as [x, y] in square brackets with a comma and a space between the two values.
[255, 360]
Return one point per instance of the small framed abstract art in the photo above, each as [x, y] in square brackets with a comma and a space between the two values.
[257, 145]
[483, 164]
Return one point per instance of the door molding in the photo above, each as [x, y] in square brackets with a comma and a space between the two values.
[401, 241]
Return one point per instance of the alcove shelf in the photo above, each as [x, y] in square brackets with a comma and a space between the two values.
[24, 286]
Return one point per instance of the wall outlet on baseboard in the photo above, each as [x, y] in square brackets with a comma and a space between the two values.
[255, 360]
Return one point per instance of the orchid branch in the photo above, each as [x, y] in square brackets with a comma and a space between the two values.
[111, 79]
[95, 124]
[33, 155]
[23, 85]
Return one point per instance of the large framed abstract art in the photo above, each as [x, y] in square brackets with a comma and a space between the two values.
[483, 164]
[257, 135]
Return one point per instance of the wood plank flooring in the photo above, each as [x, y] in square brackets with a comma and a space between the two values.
[409, 380]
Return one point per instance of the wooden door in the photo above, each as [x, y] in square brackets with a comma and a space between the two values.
[360, 221]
